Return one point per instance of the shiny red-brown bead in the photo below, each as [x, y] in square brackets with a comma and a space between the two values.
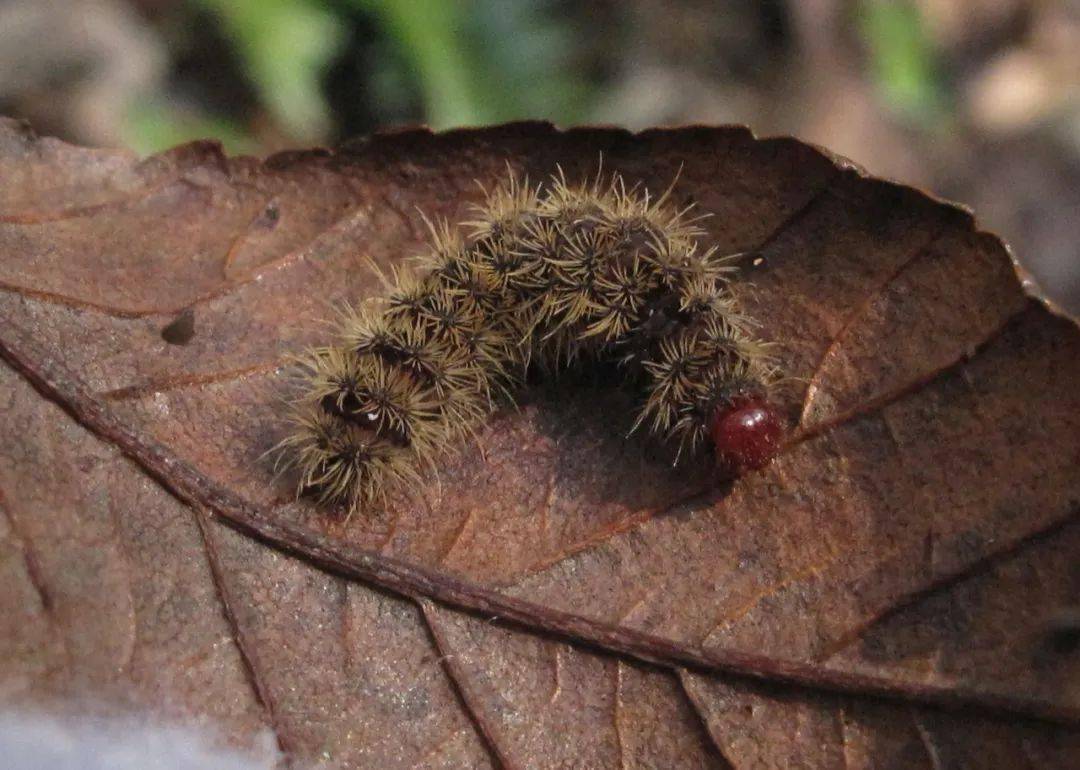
[746, 434]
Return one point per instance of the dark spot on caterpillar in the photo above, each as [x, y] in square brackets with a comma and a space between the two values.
[181, 329]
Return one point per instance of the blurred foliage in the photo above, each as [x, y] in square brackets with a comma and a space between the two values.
[286, 47]
[484, 61]
[429, 36]
[300, 72]
[902, 59]
[528, 69]
[155, 125]
[443, 62]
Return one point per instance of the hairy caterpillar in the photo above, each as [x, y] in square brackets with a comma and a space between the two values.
[552, 274]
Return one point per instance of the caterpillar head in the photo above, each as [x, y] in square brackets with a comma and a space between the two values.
[746, 431]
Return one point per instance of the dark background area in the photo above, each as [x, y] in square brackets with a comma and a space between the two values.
[976, 100]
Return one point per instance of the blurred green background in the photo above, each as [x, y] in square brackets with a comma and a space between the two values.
[977, 99]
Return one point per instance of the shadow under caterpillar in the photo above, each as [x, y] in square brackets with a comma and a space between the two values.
[545, 276]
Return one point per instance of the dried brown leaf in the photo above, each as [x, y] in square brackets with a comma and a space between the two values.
[556, 596]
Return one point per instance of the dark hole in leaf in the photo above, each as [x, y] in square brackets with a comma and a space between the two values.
[181, 329]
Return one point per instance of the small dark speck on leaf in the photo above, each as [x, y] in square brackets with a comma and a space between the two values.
[181, 329]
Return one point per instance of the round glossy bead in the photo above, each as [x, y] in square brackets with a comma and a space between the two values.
[746, 434]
